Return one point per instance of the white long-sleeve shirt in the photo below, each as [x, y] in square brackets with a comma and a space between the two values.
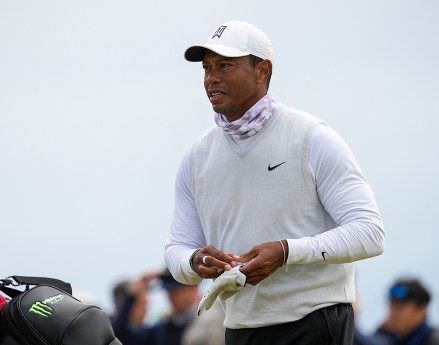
[359, 233]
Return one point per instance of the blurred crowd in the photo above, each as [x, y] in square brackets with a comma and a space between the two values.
[406, 320]
[405, 323]
[180, 325]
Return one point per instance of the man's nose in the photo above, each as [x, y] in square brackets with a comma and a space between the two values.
[213, 76]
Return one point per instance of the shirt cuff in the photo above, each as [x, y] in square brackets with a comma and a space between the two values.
[189, 276]
[299, 250]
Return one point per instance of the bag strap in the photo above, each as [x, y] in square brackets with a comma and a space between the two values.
[25, 280]
[43, 280]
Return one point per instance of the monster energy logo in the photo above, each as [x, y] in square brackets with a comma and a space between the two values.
[54, 299]
[41, 309]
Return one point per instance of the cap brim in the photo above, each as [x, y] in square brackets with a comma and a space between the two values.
[196, 53]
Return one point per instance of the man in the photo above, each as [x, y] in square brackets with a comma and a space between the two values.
[131, 300]
[184, 301]
[208, 329]
[406, 323]
[271, 186]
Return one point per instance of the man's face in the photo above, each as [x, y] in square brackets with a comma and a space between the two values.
[404, 317]
[183, 298]
[232, 85]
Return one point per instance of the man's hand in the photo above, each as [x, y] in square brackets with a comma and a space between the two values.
[210, 262]
[262, 260]
[142, 284]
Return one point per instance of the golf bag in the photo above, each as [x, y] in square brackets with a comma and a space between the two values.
[48, 314]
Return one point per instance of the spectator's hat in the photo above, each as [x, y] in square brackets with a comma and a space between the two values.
[409, 290]
[168, 282]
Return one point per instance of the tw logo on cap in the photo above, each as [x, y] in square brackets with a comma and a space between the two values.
[219, 31]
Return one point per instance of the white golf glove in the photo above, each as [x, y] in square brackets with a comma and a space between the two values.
[226, 285]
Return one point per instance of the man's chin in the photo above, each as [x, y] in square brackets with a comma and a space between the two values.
[217, 109]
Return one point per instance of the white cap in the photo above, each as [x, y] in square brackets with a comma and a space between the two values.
[234, 39]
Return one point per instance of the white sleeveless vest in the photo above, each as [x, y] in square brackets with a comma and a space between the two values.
[264, 192]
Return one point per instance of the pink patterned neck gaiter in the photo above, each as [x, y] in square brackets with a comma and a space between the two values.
[251, 122]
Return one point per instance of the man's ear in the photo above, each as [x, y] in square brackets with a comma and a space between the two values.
[263, 70]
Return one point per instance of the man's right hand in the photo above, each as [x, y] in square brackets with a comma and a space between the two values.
[210, 262]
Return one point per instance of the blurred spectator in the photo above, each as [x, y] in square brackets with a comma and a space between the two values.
[361, 338]
[184, 301]
[131, 304]
[207, 329]
[406, 322]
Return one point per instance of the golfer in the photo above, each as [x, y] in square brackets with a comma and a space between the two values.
[278, 190]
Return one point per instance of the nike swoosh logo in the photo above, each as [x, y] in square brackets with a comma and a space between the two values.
[274, 166]
[323, 254]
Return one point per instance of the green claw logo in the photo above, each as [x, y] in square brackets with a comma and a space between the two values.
[41, 309]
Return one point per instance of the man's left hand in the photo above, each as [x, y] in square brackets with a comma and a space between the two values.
[262, 260]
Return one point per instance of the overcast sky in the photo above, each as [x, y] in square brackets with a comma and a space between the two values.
[98, 106]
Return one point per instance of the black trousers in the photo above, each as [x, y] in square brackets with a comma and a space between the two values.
[327, 326]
